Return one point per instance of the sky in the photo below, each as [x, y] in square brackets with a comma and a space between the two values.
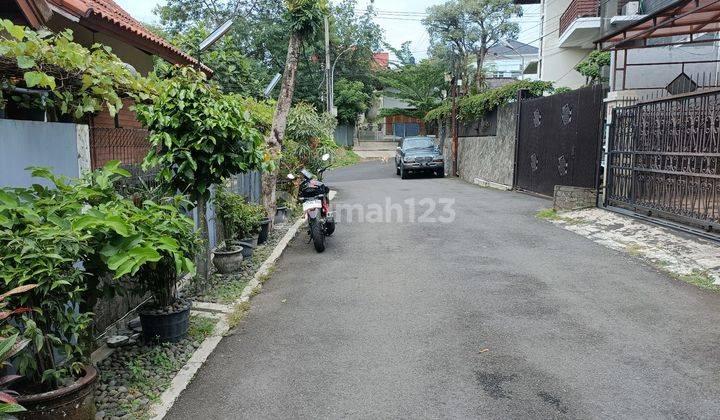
[400, 19]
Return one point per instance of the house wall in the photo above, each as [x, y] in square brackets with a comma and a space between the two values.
[655, 73]
[391, 120]
[557, 64]
[490, 159]
[508, 66]
[62, 147]
[140, 60]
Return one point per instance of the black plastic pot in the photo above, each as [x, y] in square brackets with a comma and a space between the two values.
[228, 260]
[73, 402]
[264, 231]
[247, 249]
[165, 326]
[281, 214]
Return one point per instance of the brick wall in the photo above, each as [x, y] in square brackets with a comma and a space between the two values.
[117, 138]
[128, 145]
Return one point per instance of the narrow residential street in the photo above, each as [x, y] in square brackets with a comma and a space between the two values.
[496, 315]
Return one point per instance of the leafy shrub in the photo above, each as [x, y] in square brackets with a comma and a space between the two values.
[81, 81]
[9, 347]
[46, 231]
[591, 67]
[309, 135]
[351, 100]
[240, 219]
[475, 106]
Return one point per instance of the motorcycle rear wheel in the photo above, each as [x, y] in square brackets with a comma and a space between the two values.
[318, 236]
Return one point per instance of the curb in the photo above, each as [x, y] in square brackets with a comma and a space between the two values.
[185, 375]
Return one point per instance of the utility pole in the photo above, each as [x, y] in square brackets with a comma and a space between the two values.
[328, 80]
[454, 126]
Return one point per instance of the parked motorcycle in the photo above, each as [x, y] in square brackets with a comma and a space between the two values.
[313, 195]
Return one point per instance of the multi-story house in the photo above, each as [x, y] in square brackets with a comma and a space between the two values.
[510, 59]
[571, 28]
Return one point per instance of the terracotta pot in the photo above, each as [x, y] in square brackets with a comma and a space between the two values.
[228, 261]
[74, 402]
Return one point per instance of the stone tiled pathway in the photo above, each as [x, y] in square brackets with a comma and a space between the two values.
[678, 253]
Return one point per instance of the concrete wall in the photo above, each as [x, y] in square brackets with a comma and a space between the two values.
[344, 135]
[489, 160]
[62, 147]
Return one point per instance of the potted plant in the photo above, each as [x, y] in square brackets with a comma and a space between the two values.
[10, 345]
[156, 252]
[281, 213]
[250, 216]
[228, 257]
[41, 249]
[264, 229]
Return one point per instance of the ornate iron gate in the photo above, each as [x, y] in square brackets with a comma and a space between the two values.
[664, 159]
[559, 140]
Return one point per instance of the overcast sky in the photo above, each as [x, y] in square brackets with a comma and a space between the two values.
[399, 18]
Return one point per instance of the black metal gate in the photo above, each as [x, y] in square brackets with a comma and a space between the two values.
[664, 159]
[559, 140]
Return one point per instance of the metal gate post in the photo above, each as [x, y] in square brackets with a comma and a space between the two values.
[518, 112]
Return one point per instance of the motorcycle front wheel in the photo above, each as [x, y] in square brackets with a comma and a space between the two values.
[317, 234]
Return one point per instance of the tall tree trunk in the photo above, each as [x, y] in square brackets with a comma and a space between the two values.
[277, 133]
[204, 258]
[480, 74]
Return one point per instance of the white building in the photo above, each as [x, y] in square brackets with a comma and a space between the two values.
[509, 61]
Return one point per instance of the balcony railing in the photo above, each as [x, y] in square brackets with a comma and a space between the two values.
[578, 9]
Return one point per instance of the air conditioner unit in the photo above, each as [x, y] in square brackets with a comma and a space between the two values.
[631, 8]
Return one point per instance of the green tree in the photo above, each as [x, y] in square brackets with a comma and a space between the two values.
[491, 22]
[460, 29]
[403, 54]
[419, 85]
[304, 17]
[351, 100]
[199, 136]
[591, 67]
[261, 35]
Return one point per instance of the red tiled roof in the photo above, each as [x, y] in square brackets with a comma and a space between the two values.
[381, 59]
[106, 14]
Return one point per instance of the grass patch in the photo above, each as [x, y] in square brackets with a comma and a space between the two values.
[548, 214]
[344, 157]
[201, 327]
[700, 279]
[256, 290]
[552, 215]
[238, 314]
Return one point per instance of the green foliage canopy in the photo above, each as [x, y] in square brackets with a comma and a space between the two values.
[591, 67]
[80, 81]
[420, 85]
[350, 99]
[199, 135]
[475, 106]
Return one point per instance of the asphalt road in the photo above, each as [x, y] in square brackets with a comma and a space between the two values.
[495, 315]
